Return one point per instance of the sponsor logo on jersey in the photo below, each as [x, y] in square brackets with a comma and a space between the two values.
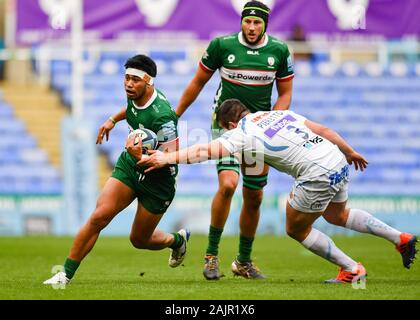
[272, 117]
[298, 131]
[317, 205]
[259, 117]
[156, 108]
[277, 126]
[337, 177]
[253, 52]
[311, 142]
[248, 77]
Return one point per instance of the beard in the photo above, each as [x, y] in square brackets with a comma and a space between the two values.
[253, 43]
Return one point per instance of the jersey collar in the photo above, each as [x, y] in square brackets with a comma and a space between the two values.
[148, 103]
[243, 42]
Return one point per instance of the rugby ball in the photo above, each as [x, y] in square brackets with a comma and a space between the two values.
[148, 139]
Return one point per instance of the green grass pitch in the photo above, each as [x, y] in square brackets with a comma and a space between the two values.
[115, 270]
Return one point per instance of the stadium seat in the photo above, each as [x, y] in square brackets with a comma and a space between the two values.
[24, 167]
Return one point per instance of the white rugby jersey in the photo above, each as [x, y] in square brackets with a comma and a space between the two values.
[281, 139]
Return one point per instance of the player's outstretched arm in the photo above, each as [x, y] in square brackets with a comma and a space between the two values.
[352, 156]
[109, 124]
[194, 154]
[192, 91]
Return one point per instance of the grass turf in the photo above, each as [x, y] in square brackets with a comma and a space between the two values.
[115, 270]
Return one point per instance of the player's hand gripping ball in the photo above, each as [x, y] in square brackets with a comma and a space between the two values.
[147, 138]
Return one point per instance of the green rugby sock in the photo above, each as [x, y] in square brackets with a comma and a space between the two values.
[178, 241]
[214, 239]
[245, 248]
[70, 267]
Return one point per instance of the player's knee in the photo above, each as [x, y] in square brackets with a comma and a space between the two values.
[227, 187]
[336, 218]
[294, 231]
[290, 231]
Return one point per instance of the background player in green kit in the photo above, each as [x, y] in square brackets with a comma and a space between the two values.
[249, 63]
[146, 107]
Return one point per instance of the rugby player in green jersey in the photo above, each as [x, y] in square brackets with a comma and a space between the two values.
[249, 63]
[146, 107]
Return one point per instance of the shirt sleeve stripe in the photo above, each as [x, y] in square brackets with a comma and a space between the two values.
[205, 68]
[287, 78]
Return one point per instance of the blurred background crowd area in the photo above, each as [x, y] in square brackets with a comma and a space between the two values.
[357, 70]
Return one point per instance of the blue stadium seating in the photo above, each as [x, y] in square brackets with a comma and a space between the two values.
[24, 168]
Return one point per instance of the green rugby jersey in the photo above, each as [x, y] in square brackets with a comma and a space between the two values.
[158, 116]
[247, 72]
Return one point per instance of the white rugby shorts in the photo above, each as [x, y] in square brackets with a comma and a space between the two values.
[314, 195]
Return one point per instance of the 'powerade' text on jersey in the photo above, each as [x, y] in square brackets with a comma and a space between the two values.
[247, 72]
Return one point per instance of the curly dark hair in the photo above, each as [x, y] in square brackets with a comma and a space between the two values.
[143, 63]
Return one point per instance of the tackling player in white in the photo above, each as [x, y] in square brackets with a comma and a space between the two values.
[318, 158]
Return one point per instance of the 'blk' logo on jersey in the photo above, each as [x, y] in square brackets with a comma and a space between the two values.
[254, 53]
[134, 111]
